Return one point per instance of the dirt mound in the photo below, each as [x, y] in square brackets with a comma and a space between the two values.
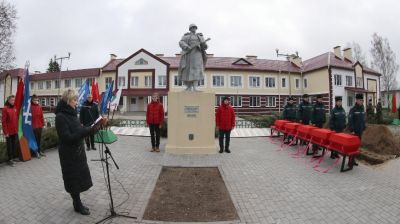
[379, 139]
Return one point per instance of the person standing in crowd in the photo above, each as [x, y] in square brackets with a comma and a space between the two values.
[290, 109]
[305, 111]
[370, 112]
[356, 121]
[225, 122]
[318, 114]
[37, 122]
[73, 161]
[9, 122]
[379, 116]
[337, 120]
[155, 121]
[88, 115]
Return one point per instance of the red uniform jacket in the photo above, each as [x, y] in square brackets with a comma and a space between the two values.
[37, 116]
[225, 117]
[9, 120]
[155, 113]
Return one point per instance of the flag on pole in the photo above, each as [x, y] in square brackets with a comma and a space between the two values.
[83, 94]
[95, 91]
[115, 100]
[19, 99]
[106, 98]
[394, 108]
[27, 129]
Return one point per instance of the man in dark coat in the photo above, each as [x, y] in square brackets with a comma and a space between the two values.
[379, 116]
[318, 114]
[356, 121]
[289, 111]
[370, 112]
[337, 120]
[88, 115]
[74, 167]
[305, 111]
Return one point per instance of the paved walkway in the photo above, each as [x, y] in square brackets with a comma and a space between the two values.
[266, 186]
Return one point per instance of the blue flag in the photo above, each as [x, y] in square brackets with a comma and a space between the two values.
[83, 94]
[106, 98]
[27, 129]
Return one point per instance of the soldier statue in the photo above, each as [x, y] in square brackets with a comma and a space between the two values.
[193, 58]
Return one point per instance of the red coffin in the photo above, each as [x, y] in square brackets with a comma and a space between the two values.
[344, 143]
[278, 125]
[303, 131]
[290, 128]
[320, 136]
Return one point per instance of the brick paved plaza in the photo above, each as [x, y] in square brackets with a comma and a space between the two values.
[266, 186]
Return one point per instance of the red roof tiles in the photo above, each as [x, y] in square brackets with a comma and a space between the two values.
[90, 72]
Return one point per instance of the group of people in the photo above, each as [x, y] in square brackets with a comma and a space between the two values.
[9, 121]
[314, 114]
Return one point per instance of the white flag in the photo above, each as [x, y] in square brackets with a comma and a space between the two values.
[115, 101]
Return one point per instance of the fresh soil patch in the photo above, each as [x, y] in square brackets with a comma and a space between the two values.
[379, 145]
[184, 194]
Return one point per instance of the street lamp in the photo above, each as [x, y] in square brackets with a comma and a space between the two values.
[59, 74]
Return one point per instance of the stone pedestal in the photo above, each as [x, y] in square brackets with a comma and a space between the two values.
[191, 123]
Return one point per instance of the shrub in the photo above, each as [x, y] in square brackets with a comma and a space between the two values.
[3, 152]
[164, 129]
[49, 138]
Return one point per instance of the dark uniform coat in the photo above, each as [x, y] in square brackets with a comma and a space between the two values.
[290, 112]
[305, 112]
[356, 122]
[318, 115]
[337, 121]
[89, 113]
[71, 150]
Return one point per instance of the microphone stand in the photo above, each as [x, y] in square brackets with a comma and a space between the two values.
[113, 213]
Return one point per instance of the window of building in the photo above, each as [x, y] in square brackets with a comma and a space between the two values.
[270, 101]
[201, 82]
[297, 82]
[90, 80]
[162, 80]
[32, 85]
[254, 82]
[350, 101]
[57, 84]
[52, 101]
[78, 83]
[236, 101]
[67, 83]
[218, 81]
[338, 80]
[270, 82]
[48, 84]
[177, 81]
[121, 81]
[43, 101]
[283, 82]
[236, 81]
[359, 82]
[108, 82]
[147, 81]
[255, 101]
[134, 81]
[349, 80]
[40, 85]
[305, 83]
[218, 100]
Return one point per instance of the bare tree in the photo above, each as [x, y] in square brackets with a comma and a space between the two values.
[358, 53]
[384, 60]
[8, 17]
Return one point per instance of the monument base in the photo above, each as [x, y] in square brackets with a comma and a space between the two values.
[191, 123]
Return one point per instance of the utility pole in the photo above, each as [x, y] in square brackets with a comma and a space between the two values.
[59, 74]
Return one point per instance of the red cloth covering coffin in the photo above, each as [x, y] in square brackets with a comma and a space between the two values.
[290, 128]
[278, 125]
[303, 131]
[320, 136]
[343, 143]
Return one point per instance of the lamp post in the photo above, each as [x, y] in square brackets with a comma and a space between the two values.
[59, 74]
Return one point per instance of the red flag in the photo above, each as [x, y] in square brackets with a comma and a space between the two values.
[95, 91]
[19, 97]
[394, 108]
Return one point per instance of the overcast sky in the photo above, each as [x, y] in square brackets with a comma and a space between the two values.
[92, 29]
